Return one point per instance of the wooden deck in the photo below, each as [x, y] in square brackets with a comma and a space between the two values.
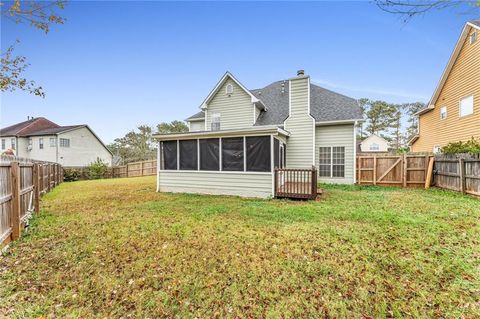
[296, 183]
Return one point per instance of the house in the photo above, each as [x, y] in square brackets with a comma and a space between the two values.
[41, 139]
[374, 144]
[239, 136]
[453, 113]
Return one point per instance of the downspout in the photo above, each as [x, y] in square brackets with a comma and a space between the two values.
[56, 148]
[354, 153]
[158, 166]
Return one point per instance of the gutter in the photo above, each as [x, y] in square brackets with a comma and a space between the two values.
[354, 121]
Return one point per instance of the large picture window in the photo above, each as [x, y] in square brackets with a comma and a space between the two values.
[232, 154]
[188, 155]
[258, 154]
[169, 154]
[209, 154]
[331, 161]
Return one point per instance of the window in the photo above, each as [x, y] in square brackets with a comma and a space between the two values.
[437, 149]
[30, 143]
[466, 106]
[12, 142]
[443, 112]
[53, 141]
[325, 163]
[188, 155]
[332, 161]
[338, 162]
[3, 144]
[209, 154]
[64, 142]
[473, 37]
[229, 89]
[215, 121]
[276, 153]
[40, 143]
[374, 147]
[169, 154]
[258, 153]
[232, 154]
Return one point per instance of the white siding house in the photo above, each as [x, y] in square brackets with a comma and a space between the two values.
[41, 139]
[240, 136]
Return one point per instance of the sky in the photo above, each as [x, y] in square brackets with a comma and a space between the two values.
[117, 65]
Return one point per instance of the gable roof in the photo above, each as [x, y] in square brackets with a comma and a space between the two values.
[217, 87]
[325, 105]
[453, 58]
[26, 127]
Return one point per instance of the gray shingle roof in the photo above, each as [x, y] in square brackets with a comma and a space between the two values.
[475, 22]
[326, 105]
[199, 115]
[55, 130]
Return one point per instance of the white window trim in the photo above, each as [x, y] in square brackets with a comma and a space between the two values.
[331, 162]
[229, 85]
[442, 113]
[460, 105]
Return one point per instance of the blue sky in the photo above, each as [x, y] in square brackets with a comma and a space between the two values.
[116, 65]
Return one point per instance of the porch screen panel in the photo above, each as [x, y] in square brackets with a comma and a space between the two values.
[169, 154]
[232, 154]
[325, 163]
[188, 155]
[276, 153]
[258, 154]
[209, 154]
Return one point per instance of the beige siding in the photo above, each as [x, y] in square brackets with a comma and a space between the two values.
[463, 80]
[197, 126]
[236, 110]
[217, 183]
[301, 126]
[84, 149]
[336, 135]
[48, 153]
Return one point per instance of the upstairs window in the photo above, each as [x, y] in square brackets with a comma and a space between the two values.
[53, 141]
[473, 37]
[374, 147]
[3, 144]
[12, 142]
[443, 112]
[466, 106]
[40, 143]
[64, 142]
[215, 121]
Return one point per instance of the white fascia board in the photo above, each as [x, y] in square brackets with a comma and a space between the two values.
[268, 130]
[324, 123]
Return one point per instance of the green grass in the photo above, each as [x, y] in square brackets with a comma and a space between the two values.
[116, 248]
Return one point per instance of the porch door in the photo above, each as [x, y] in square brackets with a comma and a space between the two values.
[281, 163]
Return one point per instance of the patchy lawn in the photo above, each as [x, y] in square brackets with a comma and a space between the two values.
[114, 248]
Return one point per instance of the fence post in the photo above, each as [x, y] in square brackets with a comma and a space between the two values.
[405, 170]
[461, 162]
[141, 168]
[36, 188]
[374, 169]
[15, 211]
[359, 169]
[128, 174]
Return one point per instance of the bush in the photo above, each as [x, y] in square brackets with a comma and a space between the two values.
[470, 147]
[71, 174]
[96, 170]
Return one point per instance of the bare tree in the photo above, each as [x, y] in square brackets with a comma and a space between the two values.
[39, 14]
[411, 8]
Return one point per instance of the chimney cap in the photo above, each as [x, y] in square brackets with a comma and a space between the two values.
[300, 72]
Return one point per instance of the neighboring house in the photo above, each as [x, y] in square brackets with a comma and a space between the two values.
[374, 144]
[240, 135]
[453, 113]
[41, 139]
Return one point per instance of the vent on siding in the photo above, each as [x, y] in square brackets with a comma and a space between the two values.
[229, 89]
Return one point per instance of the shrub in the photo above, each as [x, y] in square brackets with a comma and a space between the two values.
[471, 147]
[71, 174]
[96, 170]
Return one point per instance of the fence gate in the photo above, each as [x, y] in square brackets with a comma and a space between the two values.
[400, 170]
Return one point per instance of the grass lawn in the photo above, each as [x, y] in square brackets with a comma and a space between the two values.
[115, 248]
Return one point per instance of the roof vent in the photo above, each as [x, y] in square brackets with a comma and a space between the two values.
[300, 72]
[283, 86]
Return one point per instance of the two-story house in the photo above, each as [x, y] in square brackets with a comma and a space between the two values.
[239, 136]
[41, 139]
[453, 113]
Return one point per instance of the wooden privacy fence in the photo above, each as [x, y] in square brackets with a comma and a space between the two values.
[460, 173]
[144, 168]
[393, 170]
[21, 185]
[295, 183]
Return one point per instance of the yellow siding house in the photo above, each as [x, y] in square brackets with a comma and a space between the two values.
[453, 113]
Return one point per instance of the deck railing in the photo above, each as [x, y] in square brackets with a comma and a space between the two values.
[295, 183]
